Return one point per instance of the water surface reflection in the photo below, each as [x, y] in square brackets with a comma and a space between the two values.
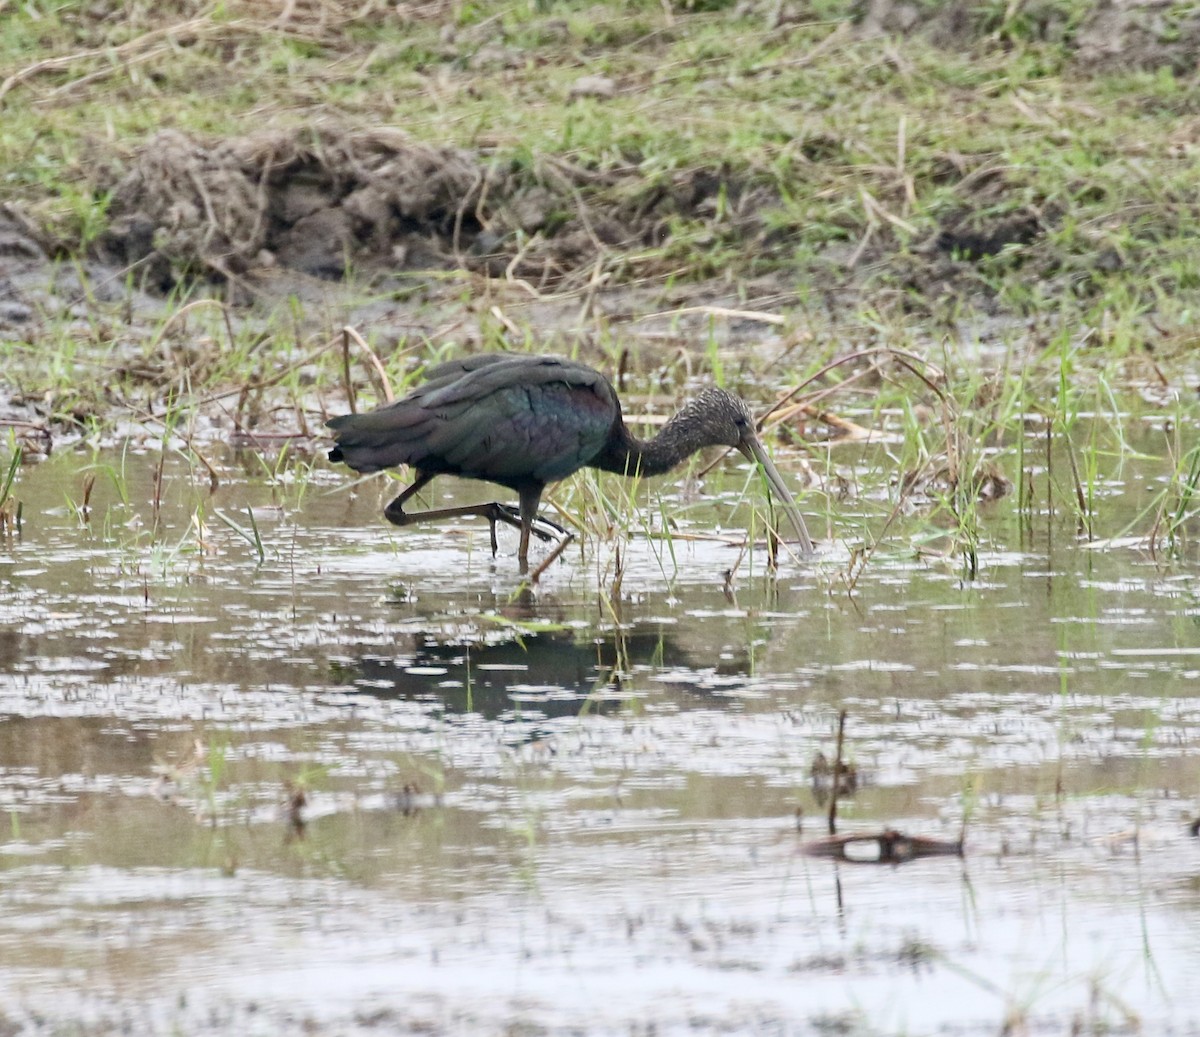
[604, 790]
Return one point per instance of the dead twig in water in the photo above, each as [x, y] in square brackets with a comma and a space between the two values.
[837, 773]
[1085, 517]
[850, 431]
[385, 384]
[347, 381]
[89, 484]
[550, 558]
[890, 847]
[42, 431]
[909, 361]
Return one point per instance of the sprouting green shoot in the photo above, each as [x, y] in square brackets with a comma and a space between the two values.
[251, 535]
[14, 465]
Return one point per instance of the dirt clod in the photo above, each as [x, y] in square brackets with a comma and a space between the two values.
[316, 199]
[311, 198]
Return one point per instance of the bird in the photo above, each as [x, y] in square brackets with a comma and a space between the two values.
[523, 421]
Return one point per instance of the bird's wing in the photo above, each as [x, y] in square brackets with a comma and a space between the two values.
[507, 418]
[439, 375]
[501, 371]
[394, 433]
[525, 417]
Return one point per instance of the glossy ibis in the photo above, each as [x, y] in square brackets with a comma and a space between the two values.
[525, 421]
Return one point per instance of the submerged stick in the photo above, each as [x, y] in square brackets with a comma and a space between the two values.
[886, 847]
[837, 773]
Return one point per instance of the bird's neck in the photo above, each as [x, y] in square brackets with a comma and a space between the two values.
[626, 454]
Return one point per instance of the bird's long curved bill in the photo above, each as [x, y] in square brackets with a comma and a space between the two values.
[753, 451]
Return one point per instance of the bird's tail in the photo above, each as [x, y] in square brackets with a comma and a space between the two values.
[374, 441]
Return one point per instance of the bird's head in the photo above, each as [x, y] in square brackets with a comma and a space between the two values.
[719, 418]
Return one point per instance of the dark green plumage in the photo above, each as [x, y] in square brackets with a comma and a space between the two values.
[525, 421]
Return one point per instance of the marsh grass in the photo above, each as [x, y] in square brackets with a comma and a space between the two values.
[832, 188]
[212, 777]
[250, 535]
[955, 432]
[840, 190]
[10, 507]
[1057, 429]
[1175, 507]
[613, 509]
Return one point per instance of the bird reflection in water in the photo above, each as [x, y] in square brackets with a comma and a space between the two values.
[523, 673]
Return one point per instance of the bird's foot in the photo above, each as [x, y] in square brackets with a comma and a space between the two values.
[513, 518]
[496, 512]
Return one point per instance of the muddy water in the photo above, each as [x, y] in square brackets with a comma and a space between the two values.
[562, 813]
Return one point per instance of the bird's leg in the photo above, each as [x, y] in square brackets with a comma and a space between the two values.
[394, 512]
[530, 497]
[493, 512]
[529, 515]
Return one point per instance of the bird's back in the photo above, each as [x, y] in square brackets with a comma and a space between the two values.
[508, 418]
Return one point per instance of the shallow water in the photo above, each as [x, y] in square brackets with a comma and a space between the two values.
[559, 812]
